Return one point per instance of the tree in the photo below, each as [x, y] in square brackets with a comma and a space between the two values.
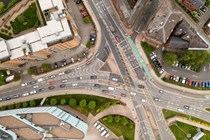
[110, 119]
[124, 121]
[3, 108]
[2, 77]
[31, 71]
[53, 101]
[11, 106]
[87, 20]
[130, 125]
[92, 105]
[18, 105]
[169, 57]
[88, 44]
[72, 102]
[2, 6]
[117, 119]
[63, 101]
[82, 103]
[107, 104]
[25, 104]
[46, 67]
[32, 103]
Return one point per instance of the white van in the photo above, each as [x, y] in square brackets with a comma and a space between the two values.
[106, 135]
[101, 129]
[103, 132]
[96, 123]
[99, 126]
[111, 88]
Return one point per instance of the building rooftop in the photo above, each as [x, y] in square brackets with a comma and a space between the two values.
[177, 42]
[197, 3]
[57, 28]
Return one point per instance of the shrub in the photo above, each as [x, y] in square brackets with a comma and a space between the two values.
[124, 121]
[107, 104]
[11, 106]
[3, 108]
[9, 33]
[110, 119]
[25, 104]
[46, 67]
[88, 44]
[82, 103]
[32, 103]
[87, 20]
[31, 71]
[92, 105]
[18, 105]
[72, 102]
[63, 101]
[117, 119]
[53, 101]
[130, 124]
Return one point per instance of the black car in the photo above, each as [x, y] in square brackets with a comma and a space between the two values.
[97, 85]
[64, 62]
[62, 86]
[141, 86]
[51, 87]
[67, 71]
[93, 77]
[33, 82]
[8, 98]
[187, 107]
[41, 90]
[55, 65]
[78, 1]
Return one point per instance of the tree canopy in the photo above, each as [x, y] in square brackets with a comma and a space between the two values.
[82, 103]
[92, 105]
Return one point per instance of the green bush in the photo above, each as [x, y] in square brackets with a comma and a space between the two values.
[3, 108]
[92, 105]
[130, 125]
[46, 67]
[18, 105]
[25, 104]
[107, 104]
[11, 106]
[88, 44]
[87, 20]
[63, 101]
[83, 103]
[124, 121]
[31, 71]
[110, 119]
[32, 103]
[117, 119]
[72, 102]
[53, 101]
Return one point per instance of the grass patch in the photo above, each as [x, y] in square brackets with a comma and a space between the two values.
[119, 129]
[6, 37]
[183, 85]
[28, 19]
[188, 129]
[100, 102]
[147, 50]
[208, 109]
[169, 114]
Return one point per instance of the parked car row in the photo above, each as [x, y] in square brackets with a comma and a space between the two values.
[156, 62]
[102, 129]
[182, 65]
[189, 82]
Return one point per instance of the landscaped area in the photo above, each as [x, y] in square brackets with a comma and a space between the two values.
[120, 125]
[181, 130]
[148, 49]
[195, 59]
[5, 6]
[208, 109]
[26, 20]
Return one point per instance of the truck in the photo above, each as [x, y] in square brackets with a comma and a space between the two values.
[103, 132]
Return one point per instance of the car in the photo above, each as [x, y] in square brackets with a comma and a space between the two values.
[161, 71]
[186, 107]
[152, 54]
[97, 85]
[67, 71]
[33, 82]
[36, 86]
[180, 110]
[64, 80]
[143, 100]
[40, 79]
[207, 85]
[161, 91]
[177, 79]
[133, 93]
[1, 99]
[55, 65]
[180, 79]
[92, 41]
[101, 129]
[114, 79]
[25, 94]
[41, 90]
[171, 77]
[88, 62]
[62, 86]
[82, 9]
[72, 60]
[51, 87]
[111, 88]
[93, 35]
[85, 14]
[52, 83]
[32, 92]
[189, 82]
[93, 77]
[96, 123]
[78, 68]
[51, 76]
[107, 135]
[105, 90]
[117, 38]
[7, 98]
[78, 1]
[123, 95]
[141, 86]
[79, 78]
[156, 99]
[184, 80]
[74, 84]
[24, 84]
[16, 96]
[61, 73]
[63, 62]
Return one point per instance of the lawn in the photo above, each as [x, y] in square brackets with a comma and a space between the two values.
[188, 129]
[208, 109]
[28, 19]
[6, 37]
[120, 130]
[100, 102]
[147, 50]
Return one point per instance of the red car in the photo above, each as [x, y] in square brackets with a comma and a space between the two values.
[85, 14]
[82, 10]
[88, 62]
[52, 83]
[123, 95]
[190, 82]
[117, 38]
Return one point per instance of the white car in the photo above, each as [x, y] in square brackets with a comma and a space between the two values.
[40, 79]
[24, 84]
[25, 94]
[115, 79]
[36, 86]
[96, 123]
[32, 92]
[184, 80]
[78, 68]
[143, 100]
[181, 110]
[64, 80]
[161, 71]
[74, 84]
[61, 73]
[177, 79]
[133, 93]
[106, 135]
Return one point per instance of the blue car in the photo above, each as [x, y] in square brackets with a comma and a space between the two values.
[207, 84]
[203, 84]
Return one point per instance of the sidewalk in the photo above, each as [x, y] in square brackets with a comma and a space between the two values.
[160, 81]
